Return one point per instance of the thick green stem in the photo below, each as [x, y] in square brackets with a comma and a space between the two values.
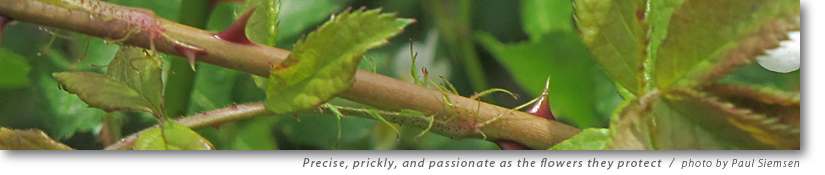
[180, 81]
[463, 115]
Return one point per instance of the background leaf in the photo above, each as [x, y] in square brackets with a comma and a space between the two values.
[316, 131]
[541, 17]
[299, 15]
[68, 113]
[43, 105]
[573, 77]
[311, 76]
[587, 139]
[254, 134]
[580, 93]
[179, 137]
[15, 70]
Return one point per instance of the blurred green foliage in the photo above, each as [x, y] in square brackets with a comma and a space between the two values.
[515, 45]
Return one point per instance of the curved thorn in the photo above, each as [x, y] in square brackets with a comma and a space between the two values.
[236, 33]
[542, 107]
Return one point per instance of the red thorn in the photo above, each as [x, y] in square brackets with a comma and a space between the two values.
[542, 107]
[190, 52]
[236, 32]
[425, 72]
[510, 145]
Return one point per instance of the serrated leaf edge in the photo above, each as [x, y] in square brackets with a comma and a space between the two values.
[757, 43]
[748, 120]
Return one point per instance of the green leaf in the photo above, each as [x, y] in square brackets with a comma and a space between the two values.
[213, 88]
[263, 24]
[256, 134]
[563, 57]
[542, 16]
[133, 83]
[31, 139]
[785, 106]
[142, 71]
[587, 139]
[700, 32]
[320, 131]
[686, 119]
[94, 52]
[323, 64]
[174, 137]
[103, 92]
[15, 70]
[68, 114]
[733, 123]
[615, 35]
[658, 17]
[651, 123]
[384, 136]
[527, 62]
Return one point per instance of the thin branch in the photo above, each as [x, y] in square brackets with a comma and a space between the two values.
[461, 116]
[210, 118]
[249, 110]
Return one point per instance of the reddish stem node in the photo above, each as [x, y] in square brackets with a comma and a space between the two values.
[236, 33]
